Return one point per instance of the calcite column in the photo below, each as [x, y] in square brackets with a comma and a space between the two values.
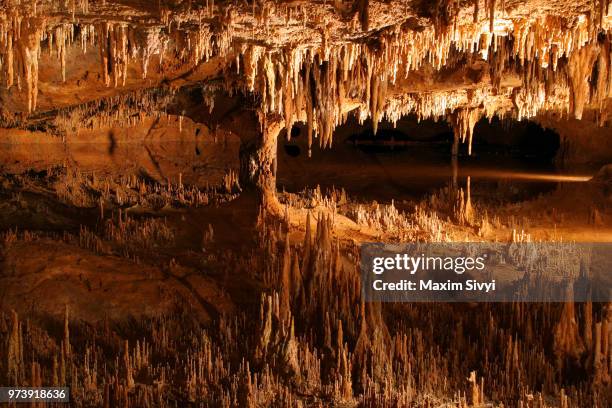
[258, 164]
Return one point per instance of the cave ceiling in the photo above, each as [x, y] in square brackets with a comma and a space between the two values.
[66, 65]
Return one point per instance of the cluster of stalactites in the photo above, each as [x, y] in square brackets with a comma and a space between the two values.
[19, 53]
[61, 37]
[114, 57]
[319, 85]
[463, 121]
[316, 85]
[119, 43]
[547, 39]
[23, 29]
[580, 68]
[584, 80]
[124, 110]
[21, 40]
[154, 44]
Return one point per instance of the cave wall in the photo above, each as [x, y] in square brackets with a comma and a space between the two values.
[582, 141]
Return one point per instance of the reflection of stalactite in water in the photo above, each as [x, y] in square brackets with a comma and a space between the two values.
[455, 168]
[314, 336]
[15, 363]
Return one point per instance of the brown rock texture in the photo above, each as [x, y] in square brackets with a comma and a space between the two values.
[149, 256]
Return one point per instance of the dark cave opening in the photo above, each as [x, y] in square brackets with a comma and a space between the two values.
[406, 161]
[524, 140]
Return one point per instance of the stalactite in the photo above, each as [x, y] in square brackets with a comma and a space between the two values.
[362, 7]
[498, 60]
[154, 43]
[463, 122]
[491, 15]
[28, 48]
[579, 71]
[61, 43]
[114, 57]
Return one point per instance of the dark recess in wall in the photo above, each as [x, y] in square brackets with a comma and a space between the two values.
[523, 140]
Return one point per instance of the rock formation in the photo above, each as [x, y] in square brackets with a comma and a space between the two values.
[148, 257]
